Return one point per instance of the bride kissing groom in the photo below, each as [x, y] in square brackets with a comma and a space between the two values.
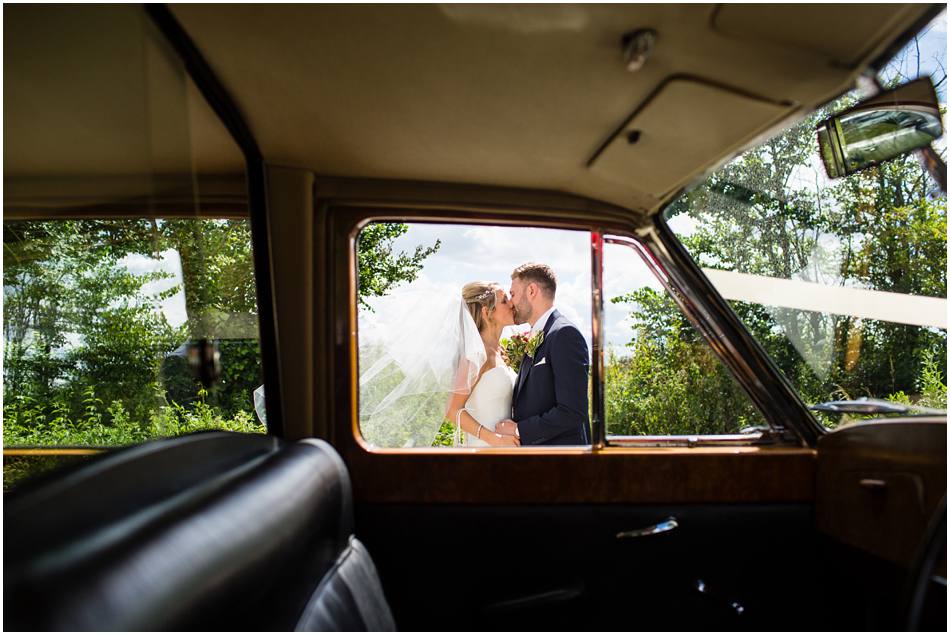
[546, 402]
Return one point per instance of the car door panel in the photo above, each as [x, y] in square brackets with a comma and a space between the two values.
[559, 567]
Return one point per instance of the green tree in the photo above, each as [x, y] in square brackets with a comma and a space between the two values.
[670, 383]
[74, 319]
[89, 356]
[221, 299]
[381, 269]
[881, 228]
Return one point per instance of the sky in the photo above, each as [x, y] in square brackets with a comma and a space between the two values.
[490, 253]
[933, 54]
[471, 252]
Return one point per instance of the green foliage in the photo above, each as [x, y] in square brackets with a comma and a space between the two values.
[74, 318]
[89, 357]
[670, 383]
[445, 437]
[879, 229]
[27, 423]
[932, 383]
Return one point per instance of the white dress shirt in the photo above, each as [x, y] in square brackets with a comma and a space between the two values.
[539, 324]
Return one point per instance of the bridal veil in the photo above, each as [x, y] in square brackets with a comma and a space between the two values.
[417, 347]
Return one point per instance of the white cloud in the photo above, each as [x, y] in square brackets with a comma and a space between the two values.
[174, 307]
[682, 224]
[939, 24]
[470, 252]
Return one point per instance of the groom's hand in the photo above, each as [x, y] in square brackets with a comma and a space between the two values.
[506, 426]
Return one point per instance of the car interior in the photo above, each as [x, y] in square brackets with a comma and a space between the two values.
[310, 121]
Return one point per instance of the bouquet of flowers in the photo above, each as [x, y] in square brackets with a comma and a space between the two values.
[518, 345]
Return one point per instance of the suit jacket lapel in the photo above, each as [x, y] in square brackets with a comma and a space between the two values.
[528, 362]
[522, 373]
[555, 314]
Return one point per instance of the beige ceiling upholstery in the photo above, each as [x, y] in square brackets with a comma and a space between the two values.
[709, 121]
[97, 108]
[817, 28]
[505, 95]
[522, 95]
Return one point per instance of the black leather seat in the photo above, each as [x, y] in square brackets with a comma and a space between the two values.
[212, 531]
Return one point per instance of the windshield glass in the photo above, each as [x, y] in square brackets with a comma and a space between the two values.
[843, 282]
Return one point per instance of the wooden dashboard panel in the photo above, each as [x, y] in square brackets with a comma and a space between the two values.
[566, 476]
[879, 482]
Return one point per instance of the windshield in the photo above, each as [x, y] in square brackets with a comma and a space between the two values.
[843, 282]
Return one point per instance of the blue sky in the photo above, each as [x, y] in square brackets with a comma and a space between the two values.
[932, 58]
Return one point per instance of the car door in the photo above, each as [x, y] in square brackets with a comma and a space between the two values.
[684, 530]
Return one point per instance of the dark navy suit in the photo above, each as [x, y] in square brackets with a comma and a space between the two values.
[550, 397]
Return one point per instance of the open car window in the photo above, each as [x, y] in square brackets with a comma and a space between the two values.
[663, 383]
[439, 330]
[420, 289]
[842, 282]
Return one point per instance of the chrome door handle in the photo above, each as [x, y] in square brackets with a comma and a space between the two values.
[874, 484]
[660, 528]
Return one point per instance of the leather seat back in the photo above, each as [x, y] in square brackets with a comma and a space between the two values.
[213, 531]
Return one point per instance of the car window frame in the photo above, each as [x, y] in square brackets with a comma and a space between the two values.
[430, 217]
[348, 221]
[772, 436]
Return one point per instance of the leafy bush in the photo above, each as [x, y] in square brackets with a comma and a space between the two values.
[670, 383]
[26, 423]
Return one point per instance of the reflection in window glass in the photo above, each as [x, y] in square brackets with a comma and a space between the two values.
[843, 282]
[102, 122]
[444, 331]
[97, 319]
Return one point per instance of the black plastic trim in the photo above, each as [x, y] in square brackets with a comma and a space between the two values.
[230, 115]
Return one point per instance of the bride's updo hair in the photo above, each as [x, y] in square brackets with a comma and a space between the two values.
[478, 295]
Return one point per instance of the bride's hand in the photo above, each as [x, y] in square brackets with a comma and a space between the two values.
[504, 440]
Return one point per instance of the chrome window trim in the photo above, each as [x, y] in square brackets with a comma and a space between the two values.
[685, 441]
[598, 419]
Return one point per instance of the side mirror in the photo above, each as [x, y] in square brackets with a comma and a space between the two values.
[883, 127]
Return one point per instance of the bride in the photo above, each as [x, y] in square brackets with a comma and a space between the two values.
[476, 412]
[419, 368]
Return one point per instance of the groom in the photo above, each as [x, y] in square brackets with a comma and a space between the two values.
[550, 397]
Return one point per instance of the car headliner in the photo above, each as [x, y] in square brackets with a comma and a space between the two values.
[527, 96]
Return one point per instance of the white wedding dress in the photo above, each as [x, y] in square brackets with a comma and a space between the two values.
[490, 401]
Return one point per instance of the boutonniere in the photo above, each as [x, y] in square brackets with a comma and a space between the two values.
[520, 346]
[534, 343]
